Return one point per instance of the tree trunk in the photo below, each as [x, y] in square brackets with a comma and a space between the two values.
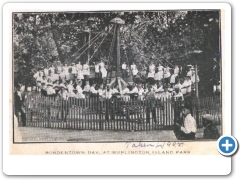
[55, 38]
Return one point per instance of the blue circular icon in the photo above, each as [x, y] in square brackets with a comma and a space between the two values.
[227, 145]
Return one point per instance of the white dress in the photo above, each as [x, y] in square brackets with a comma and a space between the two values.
[86, 70]
[104, 72]
[80, 75]
[151, 71]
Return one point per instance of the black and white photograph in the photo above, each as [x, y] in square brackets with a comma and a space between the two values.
[117, 76]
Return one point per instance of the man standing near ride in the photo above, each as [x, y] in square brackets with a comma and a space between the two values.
[19, 108]
[150, 105]
[109, 107]
[63, 110]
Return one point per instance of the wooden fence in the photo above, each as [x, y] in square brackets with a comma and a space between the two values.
[94, 113]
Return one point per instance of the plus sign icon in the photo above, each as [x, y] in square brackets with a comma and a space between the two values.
[227, 145]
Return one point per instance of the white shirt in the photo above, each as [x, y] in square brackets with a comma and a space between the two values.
[179, 85]
[189, 125]
[140, 91]
[125, 91]
[96, 68]
[46, 71]
[50, 89]
[100, 92]
[193, 78]
[79, 67]
[176, 71]
[109, 94]
[102, 65]
[86, 69]
[79, 89]
[74, 69]
[124, 66]
[186, 86]
[189, 73]
[86, 88]
[65, 69]
[59, 69]
[166, 70]
[70, 87]
[55, 77]
[133, 67]
[134, 71]
[104, 72]
[93, 90]
[172, 78]
[80, 75]
[152, 68]
[160, 68]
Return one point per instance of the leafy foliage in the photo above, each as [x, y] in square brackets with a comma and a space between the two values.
[166, 37]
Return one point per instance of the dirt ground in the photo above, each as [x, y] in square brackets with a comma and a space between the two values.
[37, 134]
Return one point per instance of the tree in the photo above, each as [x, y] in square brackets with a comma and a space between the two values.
[165, 37]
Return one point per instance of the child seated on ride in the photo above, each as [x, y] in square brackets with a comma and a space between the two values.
[101, 91]
[50, 90]
[125, 94]
[134, 92]
[79, 93]
[140, 92]
[93, 91]
[103, 72]
[108, 92]
[158, 91]
[80, 75]
[86, 88]
[70, 89]
[56, 86]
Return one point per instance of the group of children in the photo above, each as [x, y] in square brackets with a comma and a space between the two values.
[73, 81]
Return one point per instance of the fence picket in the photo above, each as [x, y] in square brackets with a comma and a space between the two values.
[95, 114]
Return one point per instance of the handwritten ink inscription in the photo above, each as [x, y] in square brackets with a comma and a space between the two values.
[152, 145]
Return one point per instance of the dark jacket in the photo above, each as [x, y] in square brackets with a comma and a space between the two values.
[211, 132]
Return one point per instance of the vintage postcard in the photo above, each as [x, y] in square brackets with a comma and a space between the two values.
[145, 79]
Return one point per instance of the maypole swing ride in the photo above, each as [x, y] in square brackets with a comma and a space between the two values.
[114, 74]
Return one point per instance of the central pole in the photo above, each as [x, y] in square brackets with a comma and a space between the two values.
[89, 41]
[118, 71]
